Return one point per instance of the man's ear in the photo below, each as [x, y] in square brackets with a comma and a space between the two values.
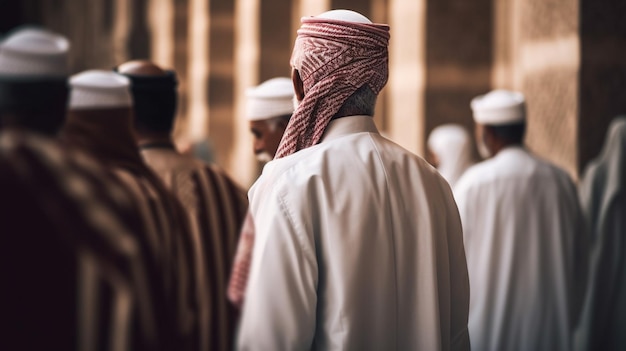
[298, 85]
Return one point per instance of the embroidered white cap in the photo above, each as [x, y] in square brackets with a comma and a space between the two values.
[499, 107]
[273, 98]
[32, 51]
[345, 15]
[98, 89]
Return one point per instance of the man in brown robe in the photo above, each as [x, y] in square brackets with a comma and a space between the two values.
[215, 204]
[100, 123]
[72, 274]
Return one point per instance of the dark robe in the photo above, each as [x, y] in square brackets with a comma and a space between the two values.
[73, 277]
[106, 135]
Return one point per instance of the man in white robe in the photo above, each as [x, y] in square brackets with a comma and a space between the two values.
[603, 196]
[358, 242]
[523, 237]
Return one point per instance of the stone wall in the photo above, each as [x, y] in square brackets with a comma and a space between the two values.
[567, 56]
[458, 59]
[537, 52]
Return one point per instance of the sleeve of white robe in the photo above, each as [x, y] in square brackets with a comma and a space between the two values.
[280, 306]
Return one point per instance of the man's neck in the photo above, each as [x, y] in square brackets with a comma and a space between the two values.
[501, 146]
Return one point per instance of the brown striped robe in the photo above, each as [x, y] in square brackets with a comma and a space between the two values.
[170, 245]
[216, 207]
[72, 275]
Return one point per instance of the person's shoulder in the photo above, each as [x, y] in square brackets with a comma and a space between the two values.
[480, 173]
[549, 170]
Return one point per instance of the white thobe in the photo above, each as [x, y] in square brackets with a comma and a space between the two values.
[603, 198]
[525, 252]
[358, 247]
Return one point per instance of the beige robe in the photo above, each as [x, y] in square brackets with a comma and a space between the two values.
[358, 246]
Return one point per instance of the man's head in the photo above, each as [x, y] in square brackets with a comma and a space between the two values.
[99, 90]
[448, 144]
[268, 110]
[33, 80]
[154, 96]
[500, 118]
[340, 64]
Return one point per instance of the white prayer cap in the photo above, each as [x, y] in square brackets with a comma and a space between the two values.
[345, 15]
[499, 107]
[451, 143]
[98, 89]
[445, 135]
[32, 51]
[273, 98]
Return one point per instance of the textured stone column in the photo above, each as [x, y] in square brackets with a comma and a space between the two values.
[180, 44]
[275, 39]
[198, 70]
[542, 53]
[242, 165]
[407, 69]
[458, 60]
[220, 85]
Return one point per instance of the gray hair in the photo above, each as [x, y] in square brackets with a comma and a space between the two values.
[362, 102]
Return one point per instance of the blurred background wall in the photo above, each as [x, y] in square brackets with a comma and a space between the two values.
[567, 56]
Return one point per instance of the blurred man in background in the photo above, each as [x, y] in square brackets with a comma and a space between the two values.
[73, 276]
[100, 123]
[215, 204]
[524, 239]
[450, 151]
[603, 198]
[268, 109]
[358, 243]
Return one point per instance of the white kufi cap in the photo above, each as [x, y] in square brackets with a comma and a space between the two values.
[273, 98]
[34, 52]
[97, 89]
[499, 107]
[345, 15]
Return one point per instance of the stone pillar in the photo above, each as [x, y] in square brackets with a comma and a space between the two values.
[220, 84]
[242, 164]
[198, 70]
[458, 60]
[541, 58]
[180, 44]
[275, 39]
[161, 25]
[407, 70]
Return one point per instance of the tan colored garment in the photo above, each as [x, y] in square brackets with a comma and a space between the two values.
[216, 207]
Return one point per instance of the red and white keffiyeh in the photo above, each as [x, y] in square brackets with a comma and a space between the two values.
[334, 58]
